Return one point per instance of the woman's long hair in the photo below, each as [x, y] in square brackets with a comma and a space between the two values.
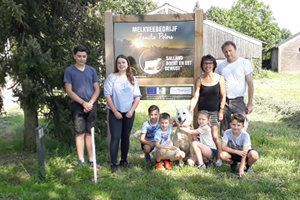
[128, 70]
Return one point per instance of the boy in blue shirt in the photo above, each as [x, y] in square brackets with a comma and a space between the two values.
[236, 146]
[82, 86]
[148, 130]
[164, 151]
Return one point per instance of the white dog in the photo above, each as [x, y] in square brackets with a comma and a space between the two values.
[181, 140]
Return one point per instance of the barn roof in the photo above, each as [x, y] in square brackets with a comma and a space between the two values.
[286, 41]
[166, 6]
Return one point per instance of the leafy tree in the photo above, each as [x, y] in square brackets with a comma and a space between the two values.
[251, 18]
[42, 35]
[196, 5]
[285, 34]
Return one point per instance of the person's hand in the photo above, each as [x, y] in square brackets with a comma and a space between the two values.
[173, 148]
[129, 114]
[87, 107]
[118, 115]
[242, 153]
[248, 109]
[241, 172]
[221, 115]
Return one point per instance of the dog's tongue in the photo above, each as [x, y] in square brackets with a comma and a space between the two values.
[181, 123]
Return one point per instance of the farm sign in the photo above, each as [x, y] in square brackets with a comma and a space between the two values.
[157, 49]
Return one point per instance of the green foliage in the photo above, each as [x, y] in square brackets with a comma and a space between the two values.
[251, 18]
[196, 6]
[285, 34]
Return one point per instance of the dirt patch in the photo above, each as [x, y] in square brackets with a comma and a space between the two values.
[26, 158]
[7, 136]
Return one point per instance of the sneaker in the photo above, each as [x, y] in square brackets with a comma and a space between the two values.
[148, 159]
[219, 163]
[160, 166]
[167, 164]
[80, 163]
[233, 166]
[201, 167]
[124, 163]
[114, 168]
[210, 163]
[248, 168]
[92, 165]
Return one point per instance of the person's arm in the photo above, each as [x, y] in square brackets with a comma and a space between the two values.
[76, 98]
[195, 98]
[159, 146]
[243, 162]
[134, 106]
[144, 141]
[189, 131]
[113, 108]
[249, 79]
[223, 98]
[234, 151]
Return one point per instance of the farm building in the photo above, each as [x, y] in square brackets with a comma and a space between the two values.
[215, 35]
[285, 56]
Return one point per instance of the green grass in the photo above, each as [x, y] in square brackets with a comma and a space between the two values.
[276, 175]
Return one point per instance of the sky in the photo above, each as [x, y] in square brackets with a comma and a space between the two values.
[285, 12]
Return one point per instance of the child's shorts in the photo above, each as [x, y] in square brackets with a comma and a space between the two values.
[142, 146]
[214, 153]
[238, 158]
[170, 154]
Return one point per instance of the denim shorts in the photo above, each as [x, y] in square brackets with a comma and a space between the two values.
[83, 122]
[214, 153]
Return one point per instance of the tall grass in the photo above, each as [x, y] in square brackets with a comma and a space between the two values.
[276, 175]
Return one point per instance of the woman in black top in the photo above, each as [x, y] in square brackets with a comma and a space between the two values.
[210, 94]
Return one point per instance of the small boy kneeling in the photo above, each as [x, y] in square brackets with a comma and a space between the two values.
[236, 146]
[165, 151]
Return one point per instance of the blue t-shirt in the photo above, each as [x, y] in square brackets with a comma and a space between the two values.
[150, 130]
[164, 137]
[82, 81]
[243, 140]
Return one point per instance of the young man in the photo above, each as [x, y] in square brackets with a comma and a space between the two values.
[237, 73]
[165, 151]
[236, 146]
[82, 86]
[148, 130]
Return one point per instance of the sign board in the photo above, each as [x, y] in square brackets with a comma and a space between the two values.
[157, 49]
[166, 92]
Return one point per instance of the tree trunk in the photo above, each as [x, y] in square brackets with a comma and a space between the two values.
[30, 124]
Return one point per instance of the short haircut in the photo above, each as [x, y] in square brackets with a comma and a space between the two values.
[81, 49]
[152, 108]
[227, 43]
[204, 112]
[210, 58]
[164, 116]
[238, 117]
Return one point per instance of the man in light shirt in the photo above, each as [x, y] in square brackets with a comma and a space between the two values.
[238, 75]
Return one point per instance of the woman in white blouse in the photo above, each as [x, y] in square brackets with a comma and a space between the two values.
[122, 94]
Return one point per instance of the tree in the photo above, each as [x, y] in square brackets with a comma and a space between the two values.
[251, 18]
[196, 5]
[285, 34]
[42, 34]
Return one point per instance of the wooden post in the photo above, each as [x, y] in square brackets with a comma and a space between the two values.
[199, 16]
[109, 57]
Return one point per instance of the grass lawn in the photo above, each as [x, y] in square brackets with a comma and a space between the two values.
[276, 175]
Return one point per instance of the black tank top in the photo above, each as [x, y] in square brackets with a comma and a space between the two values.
[210, 97]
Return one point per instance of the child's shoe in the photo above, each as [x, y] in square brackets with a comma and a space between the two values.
[167, 164]
[160, 166]
[219, 163]
[92, 165]
[201, 167]
[233, 166]
[248, 168]
[148, 158]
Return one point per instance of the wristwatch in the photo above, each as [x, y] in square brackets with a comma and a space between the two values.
[91, 102]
